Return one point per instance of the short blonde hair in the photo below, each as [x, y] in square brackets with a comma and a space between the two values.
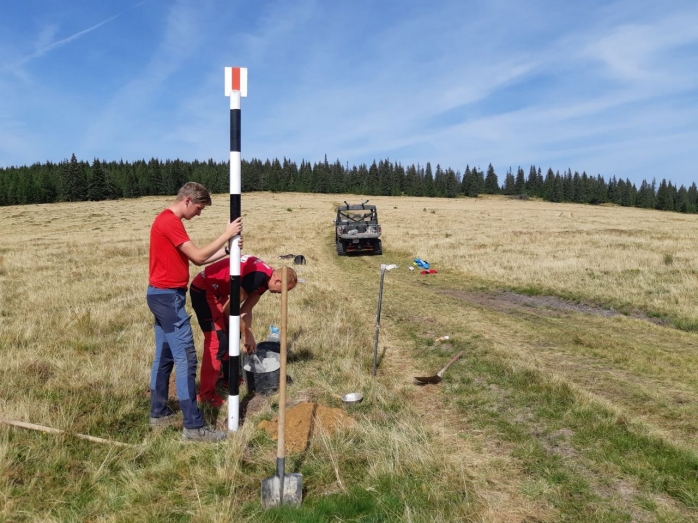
[291, 274]
[197, 192]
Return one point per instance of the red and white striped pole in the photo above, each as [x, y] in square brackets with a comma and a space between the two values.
[235, 88]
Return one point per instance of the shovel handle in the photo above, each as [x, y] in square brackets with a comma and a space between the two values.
[281, 444]
[453, 360]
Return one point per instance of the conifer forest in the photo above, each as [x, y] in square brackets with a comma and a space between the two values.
[74, 180]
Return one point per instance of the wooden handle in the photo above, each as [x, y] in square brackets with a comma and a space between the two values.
[453, 360]
[281, 445]
[51, 430]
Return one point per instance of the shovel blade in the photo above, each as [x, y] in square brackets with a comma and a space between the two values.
[272, 495]
[429, 379]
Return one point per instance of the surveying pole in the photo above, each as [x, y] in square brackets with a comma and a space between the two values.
[235, 88]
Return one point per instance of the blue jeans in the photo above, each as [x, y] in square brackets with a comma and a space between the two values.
[174, 346]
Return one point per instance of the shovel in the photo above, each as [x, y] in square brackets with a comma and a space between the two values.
[282, 489]
[439, 375]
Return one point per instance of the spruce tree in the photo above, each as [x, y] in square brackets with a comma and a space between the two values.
[532, 184]
[154, 176]
[399, 183]
[693, 198]
[305, 175]
[682, 200]
[509, 183]
[466, 181]
[97, 188]
[664, 201]
[450, 183]
[132, 189]
[274, 174]
[372, 181]
[289, 174]
[74, 181]
[491, 182]
[429, 189]
[439, 182]
[479, 180]
[411, 181]
[520, 183]
[384, 177]
[567, 187]
[362, 179]
[419, 189]
[558, 189]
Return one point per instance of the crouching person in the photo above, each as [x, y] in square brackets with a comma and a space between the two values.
[210, 293]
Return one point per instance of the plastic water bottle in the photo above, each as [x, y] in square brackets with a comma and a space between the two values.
[273, 333]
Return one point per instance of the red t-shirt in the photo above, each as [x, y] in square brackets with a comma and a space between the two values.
[169, 267]
[254, 276]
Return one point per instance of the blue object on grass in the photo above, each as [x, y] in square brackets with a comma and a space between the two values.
[421, 263]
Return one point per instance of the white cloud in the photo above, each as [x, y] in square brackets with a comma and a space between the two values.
[638, 51]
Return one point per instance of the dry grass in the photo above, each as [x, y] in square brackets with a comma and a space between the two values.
[624, 257]
[77, 345]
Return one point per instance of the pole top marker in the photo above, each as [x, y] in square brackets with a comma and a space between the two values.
[236, 80]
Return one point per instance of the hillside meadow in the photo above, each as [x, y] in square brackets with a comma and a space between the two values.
[576, 398]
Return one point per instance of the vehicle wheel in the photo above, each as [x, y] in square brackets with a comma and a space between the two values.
[378, 247]
[340, 249]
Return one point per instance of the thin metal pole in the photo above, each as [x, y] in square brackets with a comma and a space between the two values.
[378, 321]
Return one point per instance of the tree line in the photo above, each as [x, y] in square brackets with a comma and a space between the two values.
[73, 180]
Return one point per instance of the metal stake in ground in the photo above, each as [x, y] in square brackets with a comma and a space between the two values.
[282, 489]
[384, 268]
[235, 87]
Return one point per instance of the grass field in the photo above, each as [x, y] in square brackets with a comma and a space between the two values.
[576, 398]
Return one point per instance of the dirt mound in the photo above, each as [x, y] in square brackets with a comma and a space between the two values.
[304, 421]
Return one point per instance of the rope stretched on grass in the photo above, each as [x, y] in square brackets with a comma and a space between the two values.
[50, 430]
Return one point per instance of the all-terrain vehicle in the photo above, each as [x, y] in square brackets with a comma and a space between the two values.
[357, 229]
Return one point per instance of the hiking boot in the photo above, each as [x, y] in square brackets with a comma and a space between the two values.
[204, 433]
[163, 421]
[213, 401]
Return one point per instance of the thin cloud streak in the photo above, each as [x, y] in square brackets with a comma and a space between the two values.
[56, 45]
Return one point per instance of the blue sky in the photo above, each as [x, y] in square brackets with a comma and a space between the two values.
[608, 87]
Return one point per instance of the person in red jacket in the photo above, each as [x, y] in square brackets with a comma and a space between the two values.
[171, 250]
[210, 299]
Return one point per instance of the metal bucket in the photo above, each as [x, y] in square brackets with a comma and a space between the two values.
[258, 381]
[273, 346]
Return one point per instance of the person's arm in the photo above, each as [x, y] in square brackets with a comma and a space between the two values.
[201, 255]
[221, 253]
[248, 302]
[246, 313]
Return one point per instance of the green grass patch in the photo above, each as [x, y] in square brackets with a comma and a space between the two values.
[526, 409]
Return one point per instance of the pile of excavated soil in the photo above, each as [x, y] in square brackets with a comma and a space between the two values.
[304, 421]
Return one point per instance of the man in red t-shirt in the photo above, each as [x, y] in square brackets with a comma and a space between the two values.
[171, 249]
[210, 298]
